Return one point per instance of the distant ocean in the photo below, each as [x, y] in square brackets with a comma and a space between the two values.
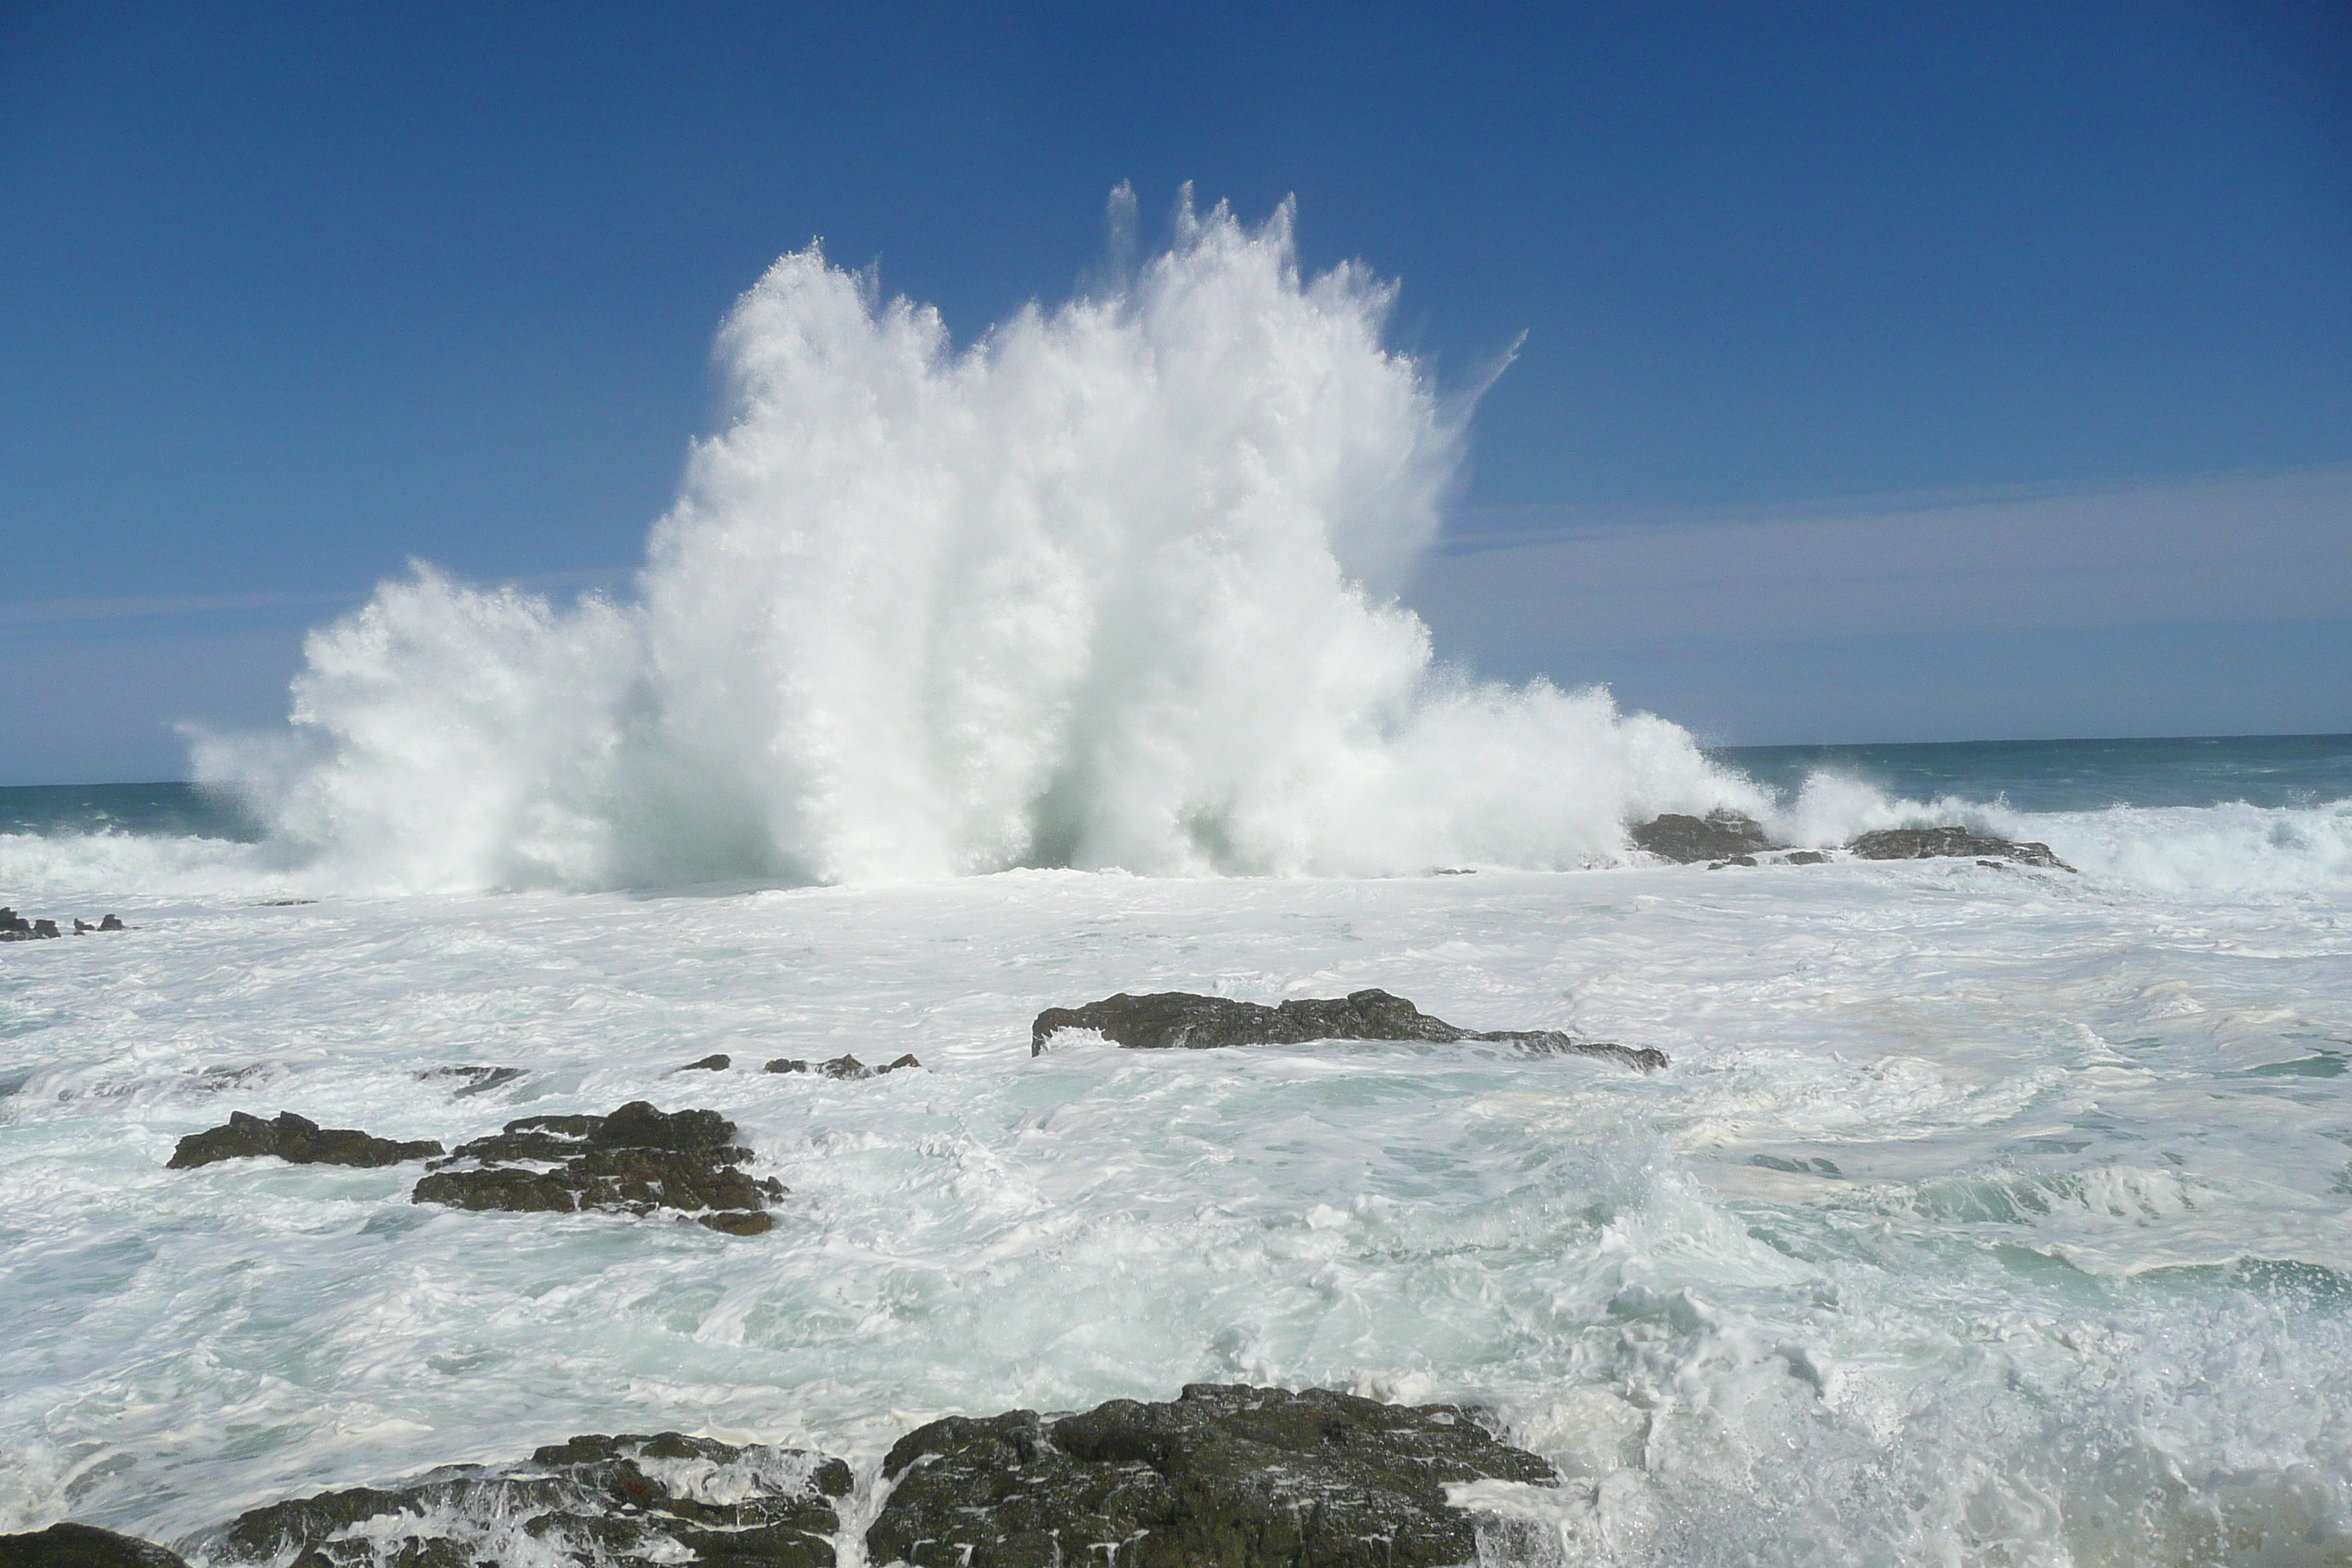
[2301, 772]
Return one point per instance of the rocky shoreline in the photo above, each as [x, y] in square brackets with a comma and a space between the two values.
[1224, 1474]
[1724, 838]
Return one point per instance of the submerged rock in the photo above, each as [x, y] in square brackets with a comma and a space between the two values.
[476, 1079]
[83, 1546]
[1171, 1020]
[1937, 842]
[1686, 840]
[716, 1062]
[634, 1161]
[1805, 858]
[296, 1139]
[610, 1502]
[1240, 1477]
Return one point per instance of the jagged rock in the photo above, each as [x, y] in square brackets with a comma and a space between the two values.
[715, 1062]
[1935, 843]
[112, 922]
[634, 1161]
[295, 1139]
[83, 1546]
[1171, 1019]
[476, 1079]
[1239, 1477]
[1686, 840]
[14, 927]
[842, 1067]
[596, 1501]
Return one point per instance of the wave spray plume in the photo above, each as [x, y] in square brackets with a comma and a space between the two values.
[1112, 587]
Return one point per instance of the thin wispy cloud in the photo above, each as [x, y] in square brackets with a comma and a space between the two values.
[2272, 547]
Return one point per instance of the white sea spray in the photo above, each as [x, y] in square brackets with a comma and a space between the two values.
[1113, 586]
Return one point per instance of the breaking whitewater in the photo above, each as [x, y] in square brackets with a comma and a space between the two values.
[1985, 1212]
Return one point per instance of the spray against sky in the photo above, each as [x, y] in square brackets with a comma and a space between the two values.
[1112, 587]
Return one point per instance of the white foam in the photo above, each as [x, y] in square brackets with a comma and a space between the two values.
[1949, 1236]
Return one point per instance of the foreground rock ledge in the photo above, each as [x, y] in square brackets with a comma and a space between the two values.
[610, 1502]
[1173, 1020]
[1235, 1476]
[1240, 1477]
[634, 1161]
[295, 1139]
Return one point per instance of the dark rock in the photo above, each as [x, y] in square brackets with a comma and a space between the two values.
[295, 1139]
[634, 1161]
[14, 927]
[1239, 1477]
[82, 927]
[842, 1067]
[476, 1079]
[1935, 843]
[1806, 858]
[717, 1062]
[1734, 860]
[112, 922]
[1687, 840]
[609, 1502]
[1170, 1019]
[83, 1546]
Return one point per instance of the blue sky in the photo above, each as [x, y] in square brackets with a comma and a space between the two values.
[289, 295]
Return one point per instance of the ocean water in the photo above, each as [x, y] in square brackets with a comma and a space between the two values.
[1986, 1216]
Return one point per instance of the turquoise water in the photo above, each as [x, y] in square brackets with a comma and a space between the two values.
[146, 810]
[2290, 770]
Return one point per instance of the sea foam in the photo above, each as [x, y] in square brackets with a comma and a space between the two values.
[1113, 586]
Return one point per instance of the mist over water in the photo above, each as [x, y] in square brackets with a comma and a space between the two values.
[1111, 586]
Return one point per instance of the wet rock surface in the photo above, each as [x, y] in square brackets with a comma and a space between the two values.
[83, 1546]
[634, 1161]
[842, 1067]
[14, 927]
[1686, 840]
[1180, 1019]
[472, 1080]
[1240, 1477]
[716, 1062]
[613, 1502]
[296, 1139]
[1935, 843]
